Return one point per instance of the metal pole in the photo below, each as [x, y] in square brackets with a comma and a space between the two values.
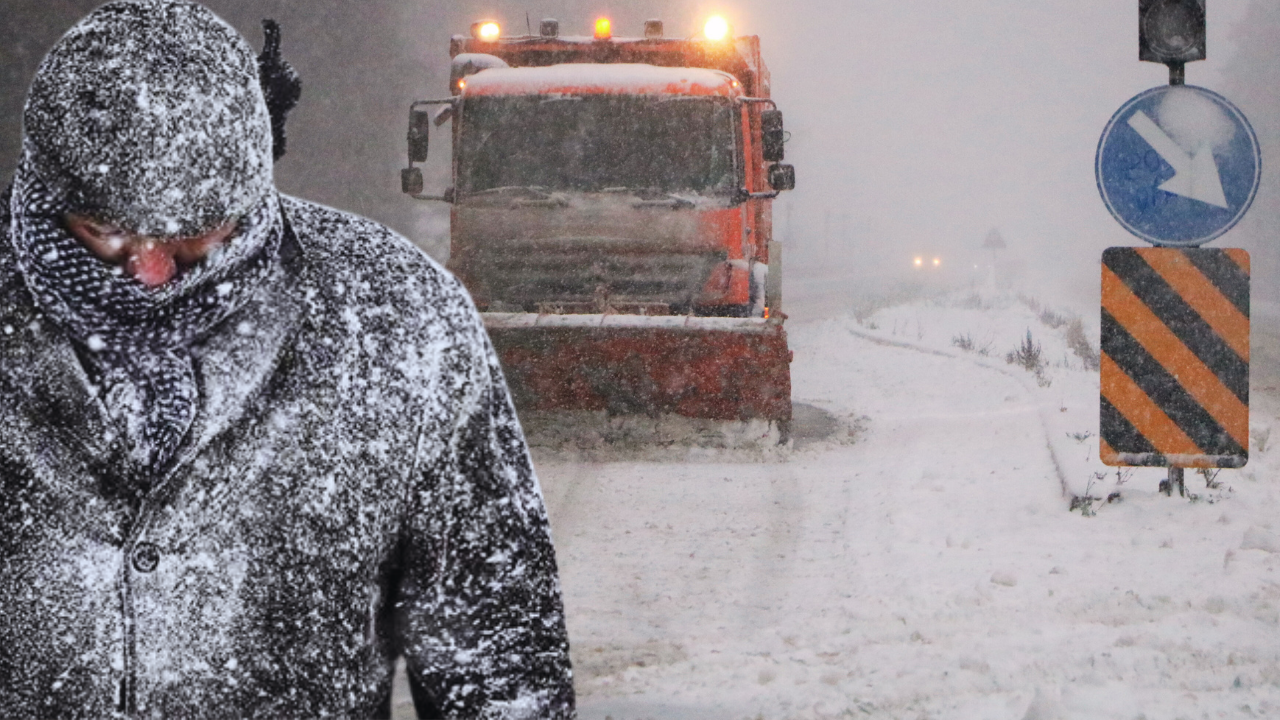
[1174, 481]
[1177, 73]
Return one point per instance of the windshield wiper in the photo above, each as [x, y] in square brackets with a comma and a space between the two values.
[526, 196]
[536, 191]
[650, 197]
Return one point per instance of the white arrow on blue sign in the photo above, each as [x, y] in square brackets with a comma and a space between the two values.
[1178, 165]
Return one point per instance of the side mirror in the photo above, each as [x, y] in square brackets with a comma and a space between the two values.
[419, 126]
[782, 177]
[420, 120]
[771, 134]
[411, 181]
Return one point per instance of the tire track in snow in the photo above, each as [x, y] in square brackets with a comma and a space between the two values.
[681, 609]
[1018, 377]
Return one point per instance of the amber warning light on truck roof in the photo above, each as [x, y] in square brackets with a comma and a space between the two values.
[604, 28]
[486, 30]
[716, 29]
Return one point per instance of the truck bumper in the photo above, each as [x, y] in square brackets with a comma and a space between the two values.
[697, 367]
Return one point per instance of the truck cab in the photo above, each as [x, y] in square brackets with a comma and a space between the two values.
[597, 179]
[595, 173]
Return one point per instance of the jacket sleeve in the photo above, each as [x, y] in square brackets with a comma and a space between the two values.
[479, 609]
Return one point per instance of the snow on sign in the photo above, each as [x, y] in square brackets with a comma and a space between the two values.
[1178, 165]
[1175, 357]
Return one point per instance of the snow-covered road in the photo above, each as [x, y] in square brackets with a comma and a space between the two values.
[921, 560]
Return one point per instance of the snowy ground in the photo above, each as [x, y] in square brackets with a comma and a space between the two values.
[914, 555]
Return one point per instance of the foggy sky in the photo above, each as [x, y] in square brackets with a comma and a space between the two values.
[917, 126]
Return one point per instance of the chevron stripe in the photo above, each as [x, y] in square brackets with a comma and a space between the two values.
[1209, 303]
[1229, 270]
[1144, 415]
[1169, 308]
[1175, 357]
[1162, 388]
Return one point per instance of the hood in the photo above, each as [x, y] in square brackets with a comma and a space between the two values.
[148, 114]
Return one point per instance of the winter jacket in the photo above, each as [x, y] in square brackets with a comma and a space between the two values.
[355, 487]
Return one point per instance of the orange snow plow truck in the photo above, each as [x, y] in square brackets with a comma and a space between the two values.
[611, 217]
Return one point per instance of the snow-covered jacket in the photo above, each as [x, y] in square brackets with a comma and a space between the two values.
[355, 487]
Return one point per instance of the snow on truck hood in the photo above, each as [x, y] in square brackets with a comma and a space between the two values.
[591, 79]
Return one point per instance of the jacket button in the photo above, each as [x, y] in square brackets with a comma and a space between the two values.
[145, 557]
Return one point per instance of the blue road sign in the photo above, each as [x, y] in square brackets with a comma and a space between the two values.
[1178, 165]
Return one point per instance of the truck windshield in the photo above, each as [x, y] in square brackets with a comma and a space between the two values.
[597, 142]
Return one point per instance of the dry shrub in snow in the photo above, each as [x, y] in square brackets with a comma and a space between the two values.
[1081, 346]
[966, 343]
[1052, 319]
[1028, 356]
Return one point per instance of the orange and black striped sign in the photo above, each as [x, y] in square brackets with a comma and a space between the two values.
[1175, 357]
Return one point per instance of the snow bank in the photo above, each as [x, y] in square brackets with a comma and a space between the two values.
[931, 567]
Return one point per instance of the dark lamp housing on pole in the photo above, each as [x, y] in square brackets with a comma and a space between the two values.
[1171, 31]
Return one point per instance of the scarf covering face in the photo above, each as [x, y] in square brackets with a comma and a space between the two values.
[148, 115]
[138, 339]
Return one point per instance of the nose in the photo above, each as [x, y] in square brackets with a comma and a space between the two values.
[149, 260]
[151, 263]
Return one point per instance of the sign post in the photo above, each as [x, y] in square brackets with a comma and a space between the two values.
[1177, 166]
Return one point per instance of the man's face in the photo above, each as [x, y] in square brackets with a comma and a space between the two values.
[151, 261]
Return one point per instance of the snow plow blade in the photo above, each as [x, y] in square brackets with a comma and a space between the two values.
[715, 368]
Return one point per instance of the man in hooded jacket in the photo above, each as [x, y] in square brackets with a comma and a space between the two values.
[251, 449]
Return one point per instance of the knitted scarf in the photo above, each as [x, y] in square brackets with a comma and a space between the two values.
[137, 339]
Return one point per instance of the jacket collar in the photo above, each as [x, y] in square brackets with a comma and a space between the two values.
[237, 362]
[44, 377]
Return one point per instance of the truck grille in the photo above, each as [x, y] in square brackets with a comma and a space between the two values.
[588, 280]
